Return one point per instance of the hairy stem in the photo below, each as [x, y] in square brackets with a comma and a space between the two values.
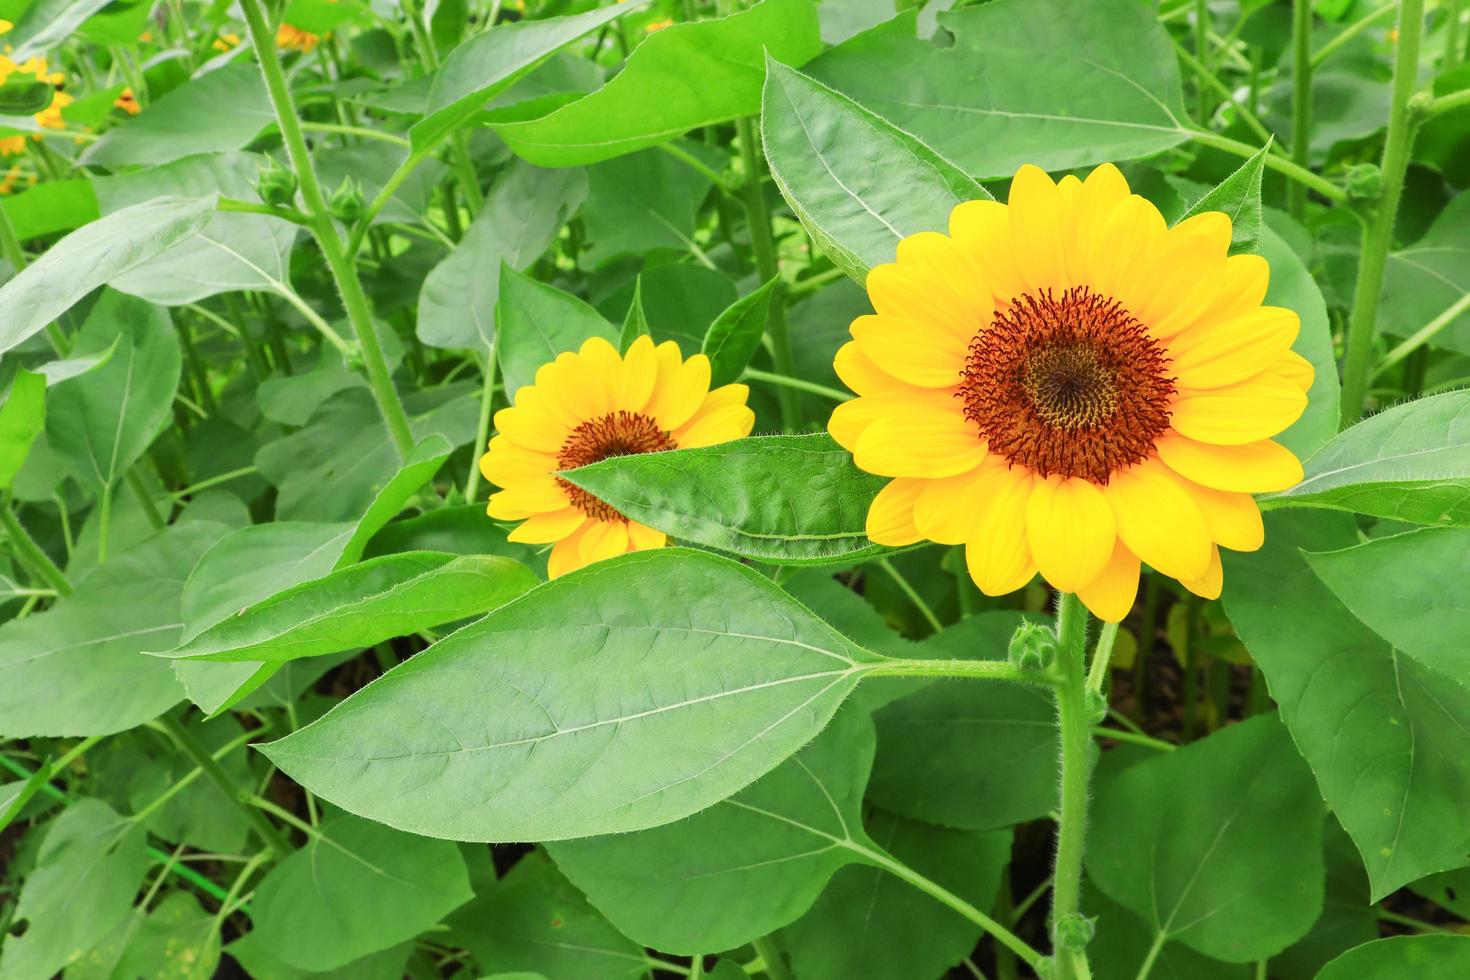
[1301, 100]
[263, 828]
[764, 246]
[1076, 742]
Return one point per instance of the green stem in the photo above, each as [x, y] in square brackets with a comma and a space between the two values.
[1076, 742]
[1147, 966]
[31, 554]
[227, 904]
[145, 499]
[1202, 55]
[998, 670]
[758, 219]
[1424, 334]
[1351, 31]
[349, 287]
[482, 429]
[314, 318]
[1209, 78]
[262, 803]
[194, 774]
[1097, 673]
[1378, 233]
[104, 522]
[799, 384]
[251, 207]
[263, 828]
[1301, 100]
[1445, 103]
[213, 481]
[771, 957]
[1280, 164]
[372, 134]
[1133, 738]
[911, 593]
[697, 165]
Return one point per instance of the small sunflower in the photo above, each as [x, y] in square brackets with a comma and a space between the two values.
[292, 38]
[1064, 384]
[588, 406]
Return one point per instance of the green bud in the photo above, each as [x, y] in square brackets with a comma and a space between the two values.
[1073, 931]
[346, 202]
[275, 184]
[1045, 968]
[1097, 707]
[1032, 647]
[1364, 182]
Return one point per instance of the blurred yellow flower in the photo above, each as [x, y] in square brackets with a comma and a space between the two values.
[295, 39]
[658, 25]
[226, 41]
[127, 102]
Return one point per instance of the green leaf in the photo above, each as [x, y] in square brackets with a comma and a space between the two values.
[356, 888]
[1381, 733]
[788, 500]
[1431, 957]
[533, 922]
[538, 322]
[655, 96]
[635, 324]
[744, 867]
[1410, 463]
[102, 422]
[1048, 82]
[76, 668]
[22, 418]
[362, 605]
[88, 870]
[736, 333]
[1293, 287]
[178, 940]
[262, 963]
[1239, 198]
[1408, 589]
[625, 730]
[1347, 917]
[1217, 844]
[200, 814]
[521, 217]
[971, 756]
[1124, 941]
[51, 207]
[488, 63]
[232, 253]
[47, 23]
[1425, 278]
[225, 109]
[857, 182]
[643, 201]
[93, 256]
[24, 95]
[868, 923]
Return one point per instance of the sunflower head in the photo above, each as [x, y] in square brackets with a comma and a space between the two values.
[1064, 384]
[589, 406]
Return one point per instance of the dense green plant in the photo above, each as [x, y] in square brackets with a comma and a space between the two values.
[278, 696]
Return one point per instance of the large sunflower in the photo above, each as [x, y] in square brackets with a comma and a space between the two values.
[588, 406]
[1064, 384]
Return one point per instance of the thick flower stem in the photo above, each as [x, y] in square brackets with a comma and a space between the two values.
[263, 828]
[344, 274]
[1301, 100]
[31, 554]
[764, 247]
[1378, 233]
[1076, 738]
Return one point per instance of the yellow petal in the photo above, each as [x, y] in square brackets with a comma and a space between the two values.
[1233, 347]
[1252, 467]
[569, 389]
[1242, 285]
[1110, 596]
[603, 539]
[852, 418]
[1070, 531]
[1103, 190]
[529, 427]
[642, 538]
[638, 376]
[1128, 232]
[1233, 518]
[983, 230]
[1296, 369]
[912, 350]
[678, 396]
[920, 441]
[1208, 585]
[1248, 411]
[1038, 224]
[1158, 521]
[909, 291]
[947, 509]
[996, 553]
[566, 556]
[721, 425]
[891, 514]
[548, 527]
[858, 372]
[526, 500]
[507, 464]
[725, 396]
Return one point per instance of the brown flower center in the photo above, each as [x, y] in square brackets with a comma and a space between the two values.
[1071, 385]
[614, 434]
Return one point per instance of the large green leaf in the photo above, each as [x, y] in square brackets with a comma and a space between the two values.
[232, 252]
[1048, 82]
[491, 61]
[520, 219]
[536, 322]
[51, 207]
[684, 76]
[102, 422]
[1293, 287]
[47, 23]
[22, 418]
[643, 201]
[789, 500]
[225, 109]
[1410, 463]
[857, 182]
[362, 605]
[1217, 845]
[744, 867]
[1410, 590]
[1383, 734]
[88, 870]
[736, 333]
[177, 940]
[77, 668]
[356, 888]
[1424, 279]
[93, 256]
[623, 696]
[1431, 957]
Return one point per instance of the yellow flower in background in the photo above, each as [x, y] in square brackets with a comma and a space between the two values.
[592, 405]
[295, 39]
[12, 146]
[1063, 384]
[658, 25]
[127, 102]
[228, 40]
[50, 117]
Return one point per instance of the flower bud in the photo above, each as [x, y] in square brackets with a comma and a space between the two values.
[1364, 182]
[1073, 931]
[1032, 647]
[346, 202]
[275, 184]
[1097, 707]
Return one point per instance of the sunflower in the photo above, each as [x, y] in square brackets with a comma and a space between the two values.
[1064, 384]
[289, 37]
[588, 406]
